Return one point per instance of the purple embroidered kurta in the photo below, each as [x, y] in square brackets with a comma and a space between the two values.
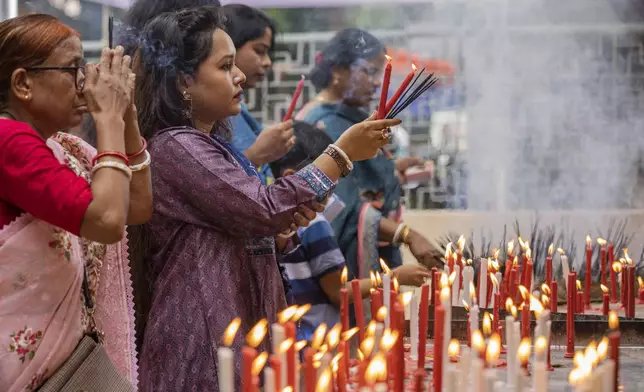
[213, 256]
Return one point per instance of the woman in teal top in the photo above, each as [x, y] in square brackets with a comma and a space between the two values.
[348, 75]
[253, 34]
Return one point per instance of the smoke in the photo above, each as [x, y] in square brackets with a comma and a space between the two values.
[554, 120]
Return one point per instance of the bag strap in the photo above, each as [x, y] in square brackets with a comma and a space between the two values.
[94, 331]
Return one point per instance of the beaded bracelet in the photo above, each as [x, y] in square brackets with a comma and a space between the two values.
[113, 165]
[142, 150]
[143, 165]
[114, 154]
[340, 158]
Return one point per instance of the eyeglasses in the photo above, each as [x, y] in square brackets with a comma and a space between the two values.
[78, 72]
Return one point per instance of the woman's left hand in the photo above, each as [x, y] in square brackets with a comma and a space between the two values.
[306, 214]
[422, 250]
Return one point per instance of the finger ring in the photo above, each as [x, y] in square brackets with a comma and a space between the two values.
[386, 133]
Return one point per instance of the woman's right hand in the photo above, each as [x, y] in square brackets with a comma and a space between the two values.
[363, 140]
[412, 274]
[108, 90]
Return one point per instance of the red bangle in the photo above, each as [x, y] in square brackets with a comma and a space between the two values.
[145, 147]
[111, 154]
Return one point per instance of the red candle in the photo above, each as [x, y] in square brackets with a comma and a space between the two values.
[423, 324]
[528, 275]
[434, 287]
[296, 96]
[344, 308]
[399, 351]
[525, 321]
[289, 332]
[570, 315]
[342, 367]
[248, 356]
[640, 294]
[376, 303]
[276, 365]
[580, 303]
[358, 306]
[419, 380]
[401, 89]
[495, 312]
[631, 291]
[382, 105]
[605, 305]
[602, 262]
[439, 317]
[362, 370]
[549, 266]
[554, 297]
[310, 374]
[623, 286]
[613, 284]
[513, 292]
[614, 338]
[589, 271]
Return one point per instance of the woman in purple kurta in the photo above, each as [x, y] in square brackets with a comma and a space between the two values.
[211, 248]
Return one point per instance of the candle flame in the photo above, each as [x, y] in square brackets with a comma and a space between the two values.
[367, 346]
[545, 300]
[495, 254]
[545, 289]
[513, 311]
[333, 337]
[324, 381]
[472, 291]
[372, 278]
[521, 243]
[448, 251]
[378, 278]
[318, 336]
[510, 247]
[323, 348]
[469, 262]
[495, 283]
[640, 282]
[444, 280]
[578, 358]
[550, 249]
[541, 345]
[371, 328]
[344, 276]
[259, 363]
[578, 284]
[591, 354]
[287, 389]
[604, 288]
[524, 351]
[317, 357]
[285, 345]
[561, 251]
[601, 241]
[452, 278]
[347, 335]
[406, 297]
[382, 314]
[524, 292]
[231, 331]
[528, 253]
[515, 262]
[453, 349]
[413, 66]
[335, 361]
[257, 333]
[396, 284]
[478, 343]
[300, 345]
[509, 304]
[486, 324]
[613, 320]
[628, 259]
[376, 370]
[589, 241]
[360, 355]
[602, 348]
[301, 311]
[445, 294]
[536, 306]
[285, 315]
[466, 306]
[617, 267]
[575, 376]
[385, 267]
[460, 243]
[493, 351]
[388, 58]
[388, 340]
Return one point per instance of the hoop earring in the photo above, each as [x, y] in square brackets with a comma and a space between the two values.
[187, 100]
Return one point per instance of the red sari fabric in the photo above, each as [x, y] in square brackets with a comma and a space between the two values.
[32, 180]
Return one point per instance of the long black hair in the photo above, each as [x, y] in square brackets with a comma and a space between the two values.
[244, 23]
[344, 50]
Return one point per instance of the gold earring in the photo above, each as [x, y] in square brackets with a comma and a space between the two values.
[187, 99]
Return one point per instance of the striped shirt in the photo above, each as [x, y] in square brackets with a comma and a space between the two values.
[317, 256]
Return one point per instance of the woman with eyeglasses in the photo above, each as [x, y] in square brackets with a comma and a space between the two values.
[63, 204]
[348, 74]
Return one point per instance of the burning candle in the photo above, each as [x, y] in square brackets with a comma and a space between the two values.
[483, 283]
[579, 308]
[256, 370]
[528, 270]
[468, 283]
[344, 299]
[358, 306]
[296, 96]
[447, 322]
[225, 357]
[588, 280]
[289, 328]
[613, 273]
[496, 311]
[382, 105]
[474, 319]
[540, 367]
[631, 293]
[478, 345]
[324, 382]
[439, 325]
[565, 268]
[276, 367]
[309, 370]
[602, 259]
[554, 297]
[455, 286]
[399, 351]
[249, 353]
[570, 315]
[392, 101]
[386, 295]
[413, 326]
[509, 340]
[523, 354]
[549, 264]
[423, 324]
[492, 354]
[614, 337]
[605, 300]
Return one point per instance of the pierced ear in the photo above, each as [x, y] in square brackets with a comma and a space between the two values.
[184, 82]
[21, 84]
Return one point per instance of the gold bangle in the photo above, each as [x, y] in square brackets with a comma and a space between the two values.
[113, 165]
[404, 234]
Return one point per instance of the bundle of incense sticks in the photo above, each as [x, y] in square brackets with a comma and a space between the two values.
[414, 91]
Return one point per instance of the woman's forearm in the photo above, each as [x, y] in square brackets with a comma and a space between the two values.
[140, 208]
[387, 229]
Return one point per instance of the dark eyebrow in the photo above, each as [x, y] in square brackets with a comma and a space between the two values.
[227, 57]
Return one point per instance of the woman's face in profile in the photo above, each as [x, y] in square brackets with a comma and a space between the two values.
[215, 90]
[363, 81]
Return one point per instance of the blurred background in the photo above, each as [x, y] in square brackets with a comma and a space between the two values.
[540, 104]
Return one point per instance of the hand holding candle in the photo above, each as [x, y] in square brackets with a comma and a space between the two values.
[296, 97]
[384, 92]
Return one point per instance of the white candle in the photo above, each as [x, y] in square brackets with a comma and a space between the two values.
[413, 326]
[226, 365]
[483, 283]
[489, 379]
[540, 377]
[269, 380]
[474, 319]
[278, 336]
[381, 388]
[518, 372]
[520, 382]
[596, 379]
[451, 379]
[456, 292]
[468, 277]
[609, 379]
[477, 374]
[565, 269]
[465, 362]
[511, 349]
[386, 297]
